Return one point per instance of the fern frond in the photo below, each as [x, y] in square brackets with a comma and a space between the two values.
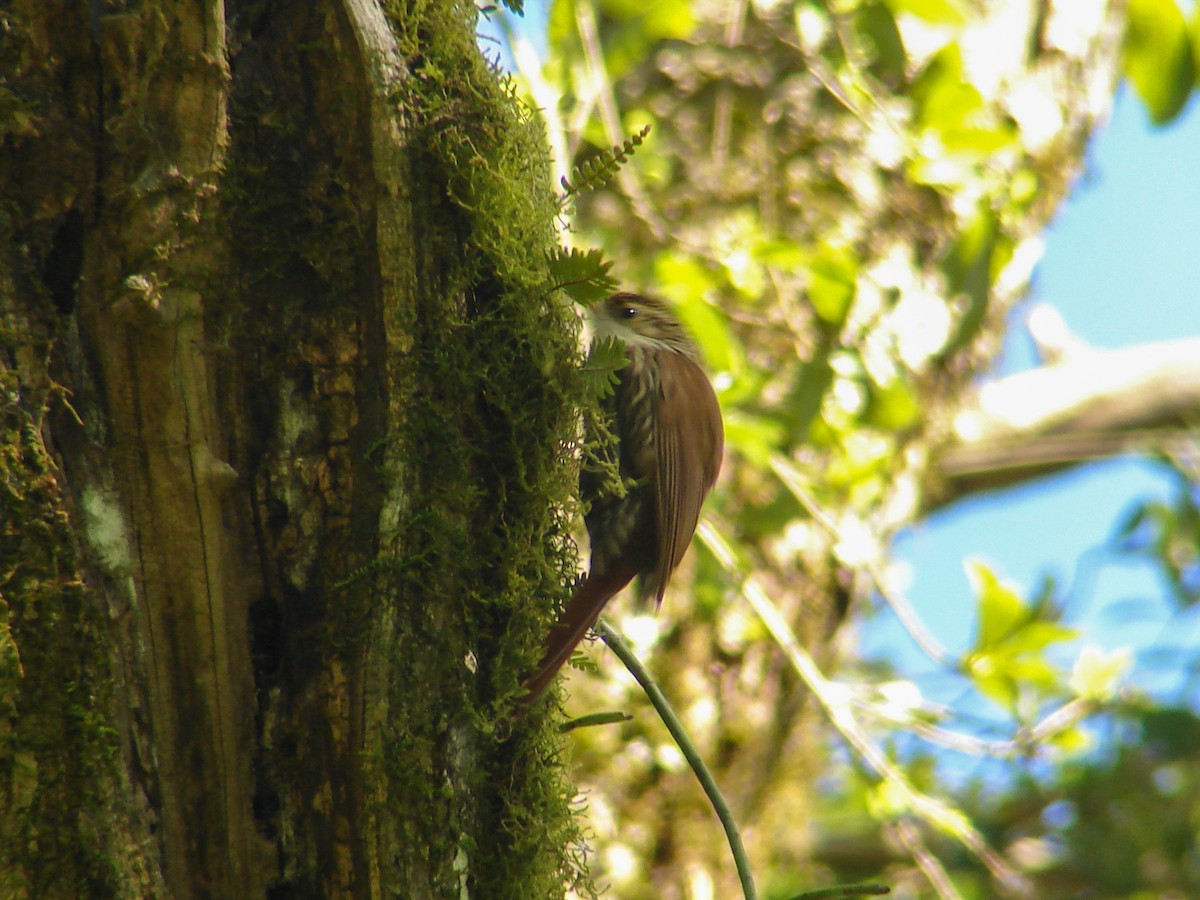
[379, 563]
[599, 371]
[582, 274]
[601, 453]
[593, 173]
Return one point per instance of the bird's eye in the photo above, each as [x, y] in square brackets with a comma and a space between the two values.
[628, 312]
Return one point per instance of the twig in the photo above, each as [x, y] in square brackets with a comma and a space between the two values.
[904, 611]
[930, 866]
[618, 646]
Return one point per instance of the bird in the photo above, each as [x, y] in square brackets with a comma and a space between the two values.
[670, 441]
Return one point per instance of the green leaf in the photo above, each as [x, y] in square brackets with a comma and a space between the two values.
[935, 12]
[813, 380]
[706, 324]
[1097, 675]
[878, 26]
[756, 438]
[1195, 35]
[1172, 733]
[999, 608]
[990, 680]
[680, 276]
[943, 98]
[948, 102]
[1157, 57]
[600, 369]
[779, 254]
[1036, 672]
[968, 268]
[744, 384]
[633, 27]
[581, 274]
[892, 407]
[1007, 663]
[1073, 741]
[1024, 188]
[832, 282]
[1003, 678]
[668, 20]
[1037, 635]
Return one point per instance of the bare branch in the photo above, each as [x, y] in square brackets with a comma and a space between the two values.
[1090, 405]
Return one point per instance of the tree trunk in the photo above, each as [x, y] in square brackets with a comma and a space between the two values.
[285, 444]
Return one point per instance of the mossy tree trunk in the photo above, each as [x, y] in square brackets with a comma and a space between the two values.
[284, 454]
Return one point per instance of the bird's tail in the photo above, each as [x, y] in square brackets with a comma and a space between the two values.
[580, 614]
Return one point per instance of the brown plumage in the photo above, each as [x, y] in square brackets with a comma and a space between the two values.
[668, 426]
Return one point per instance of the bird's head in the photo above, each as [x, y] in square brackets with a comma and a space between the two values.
[641, 322]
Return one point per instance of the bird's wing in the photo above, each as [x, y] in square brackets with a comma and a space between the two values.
[688, 440]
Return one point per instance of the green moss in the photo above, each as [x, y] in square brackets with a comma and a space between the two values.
[495, 362]
[57, 744]
[466, 396]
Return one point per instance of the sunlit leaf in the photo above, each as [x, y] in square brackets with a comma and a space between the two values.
[1157, 57]
[1034, 636]
[887, 800]
[865, 455]
[1032, 672]
[754, 437]
[892, 407]
[832, 281]
[634, 26]
[711, 331]
[780, 254]
[1072, 741]
[561, 31]
[679, 276]
[936, 12]
[1097, 675]
[991, 681]
[667, 19]
[741, 385]
[949, 102]
[1024, 187]
[999, 609]
[935, 86]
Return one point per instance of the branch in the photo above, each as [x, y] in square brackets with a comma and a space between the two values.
[1091, 405]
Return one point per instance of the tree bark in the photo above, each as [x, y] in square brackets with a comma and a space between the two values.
[287, 430]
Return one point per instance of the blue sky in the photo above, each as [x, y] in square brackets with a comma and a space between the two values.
[1122, 265]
